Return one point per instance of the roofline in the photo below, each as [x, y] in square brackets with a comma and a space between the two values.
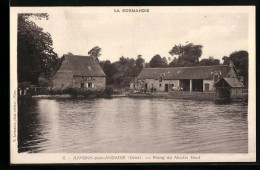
[235, 70]
[185, 67]
[172, 79]
[74, 75]
[228, 83]
[75, 55]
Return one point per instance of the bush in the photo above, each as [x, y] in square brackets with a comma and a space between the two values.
[75, 92]
[39, 91]
[109, 90]
[55, 92]
[70, 91]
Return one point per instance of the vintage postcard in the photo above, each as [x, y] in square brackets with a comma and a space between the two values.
[132, 84]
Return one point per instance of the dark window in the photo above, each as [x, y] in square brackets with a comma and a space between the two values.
[82, 85]
[89, 84]
[62, 85]
[166, 88]
[215, 77]
[172, 85]
[160, 79]
[160, 85]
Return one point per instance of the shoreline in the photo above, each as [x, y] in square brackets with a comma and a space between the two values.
[171, 95]
[64, 96]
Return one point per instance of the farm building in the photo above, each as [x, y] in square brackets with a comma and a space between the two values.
[82, 72]
[198, 79]
[23, 87]
[229, 87]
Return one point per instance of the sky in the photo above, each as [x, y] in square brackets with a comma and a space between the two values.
[77, 30]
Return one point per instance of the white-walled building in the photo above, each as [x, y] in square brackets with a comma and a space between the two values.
[199, 78]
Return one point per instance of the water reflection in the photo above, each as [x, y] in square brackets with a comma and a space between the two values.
[132, 125]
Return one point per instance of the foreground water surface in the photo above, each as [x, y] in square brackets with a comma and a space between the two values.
[126, 125]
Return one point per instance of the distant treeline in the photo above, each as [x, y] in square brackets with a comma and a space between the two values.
[37, 61]
[123, 71]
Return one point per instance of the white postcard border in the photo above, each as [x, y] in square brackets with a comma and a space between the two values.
[26, 158]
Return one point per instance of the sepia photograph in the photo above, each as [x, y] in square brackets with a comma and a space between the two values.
[132, 84]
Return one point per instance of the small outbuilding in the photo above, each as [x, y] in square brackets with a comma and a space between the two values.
[229, 87]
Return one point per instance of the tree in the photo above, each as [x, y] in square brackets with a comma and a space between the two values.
[225, 60]
[188, 55]
[95, 52]
[209, 62]
[147, 65]
[240, 61]
[34, 49]
[174, 62]
[139, 65]
[109, 70]
[157, 61]
[123, 71]
[165, 60]
[139, 61]
[123, 60]
[69, 53]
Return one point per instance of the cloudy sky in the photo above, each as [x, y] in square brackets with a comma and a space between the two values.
[77, 30]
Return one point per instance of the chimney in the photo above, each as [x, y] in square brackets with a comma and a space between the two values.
[231, 63]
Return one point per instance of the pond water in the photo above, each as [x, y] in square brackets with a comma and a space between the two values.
[127, 125]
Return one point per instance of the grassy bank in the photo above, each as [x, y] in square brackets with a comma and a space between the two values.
[73, 93]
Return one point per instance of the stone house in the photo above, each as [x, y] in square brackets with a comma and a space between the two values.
[79, 72]
[199, 78]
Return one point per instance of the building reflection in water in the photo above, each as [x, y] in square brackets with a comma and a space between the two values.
[49, 115]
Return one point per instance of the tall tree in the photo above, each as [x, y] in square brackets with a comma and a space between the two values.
[139, 61]
[174, 62]
[157, 61]
[225, 60]
[123, 71]
[139, 65]
[188, 55]
[109, 70]
[95, 52]
[34, 48]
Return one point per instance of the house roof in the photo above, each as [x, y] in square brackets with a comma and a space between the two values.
[200, 72]
[25, 84]
[83, 66]
[233, 82]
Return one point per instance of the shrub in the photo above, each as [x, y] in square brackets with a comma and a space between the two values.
[71, 91]
[76, 92]
[55, 92]
[109, 90]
